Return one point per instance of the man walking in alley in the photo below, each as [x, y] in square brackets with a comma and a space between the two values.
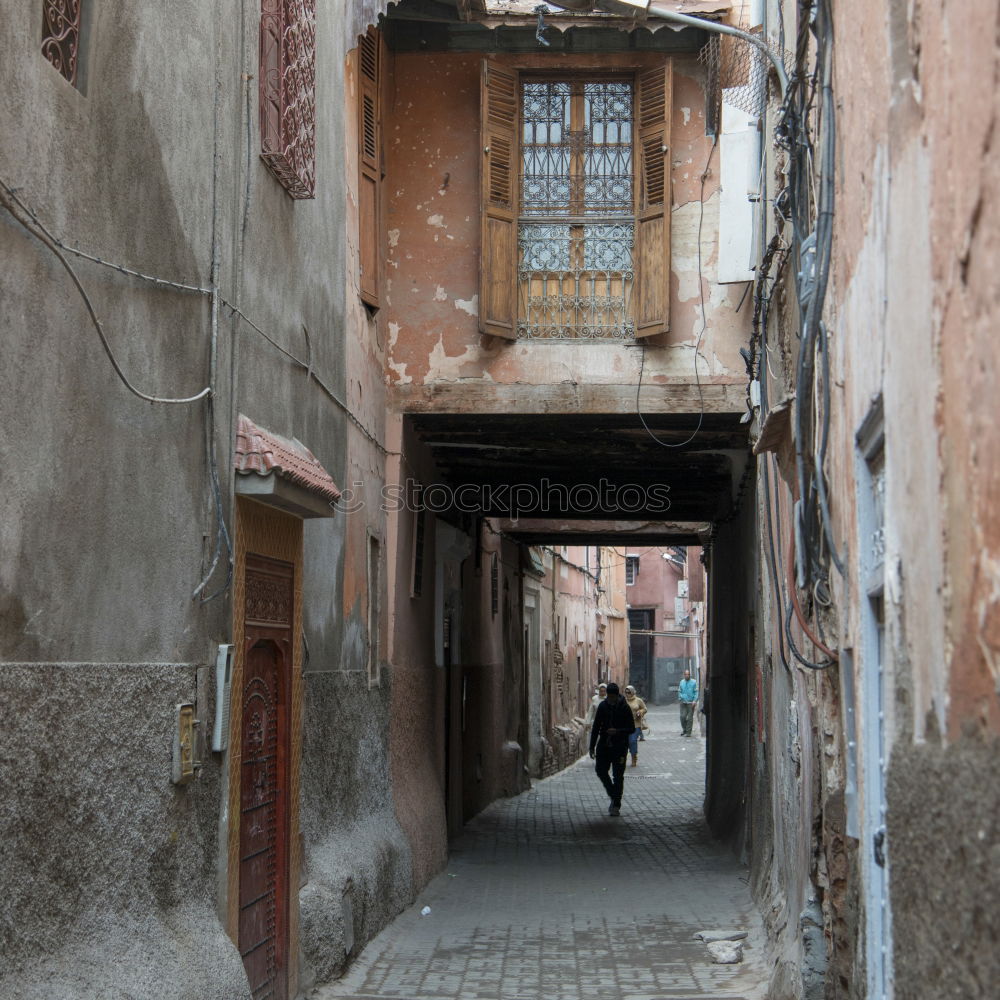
[687, 694]
[613, 724]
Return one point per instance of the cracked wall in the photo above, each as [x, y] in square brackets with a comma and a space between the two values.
[912, 314]
[432, 178]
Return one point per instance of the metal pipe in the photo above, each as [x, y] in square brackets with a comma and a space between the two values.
[646, 8]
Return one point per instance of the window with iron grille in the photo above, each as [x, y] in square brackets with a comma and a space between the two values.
[575, 234]
[61, 26]
[288, 93]
[576, 224]
[631, 569]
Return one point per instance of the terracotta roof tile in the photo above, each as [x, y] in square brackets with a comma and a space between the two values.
[261, 452]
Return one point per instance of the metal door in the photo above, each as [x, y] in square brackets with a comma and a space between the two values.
[640, 653]
[874, 685]
[263, 871]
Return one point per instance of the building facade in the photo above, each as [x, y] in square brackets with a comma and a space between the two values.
[254, 685]
[666, 591]
[872, 695]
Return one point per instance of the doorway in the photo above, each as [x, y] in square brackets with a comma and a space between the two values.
[640, 651]
[263, 843]
[264, 786]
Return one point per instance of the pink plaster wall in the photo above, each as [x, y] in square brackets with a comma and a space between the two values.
[656, 587]
[433, 164]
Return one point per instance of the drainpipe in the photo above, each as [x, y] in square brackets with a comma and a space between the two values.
[641, 9]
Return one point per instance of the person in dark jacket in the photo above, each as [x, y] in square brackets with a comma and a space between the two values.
[613, 724]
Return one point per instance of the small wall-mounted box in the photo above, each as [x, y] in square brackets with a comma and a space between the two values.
[223, 694]
[184, 763]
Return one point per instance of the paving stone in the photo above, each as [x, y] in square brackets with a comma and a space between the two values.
[546, 896]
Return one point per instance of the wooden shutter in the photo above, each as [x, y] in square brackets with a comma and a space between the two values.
[498, 264]
[369, 164]
[654, 102]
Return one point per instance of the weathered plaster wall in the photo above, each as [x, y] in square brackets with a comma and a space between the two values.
[923, 273]
[433, 224]
[911, 311]
[416, 735]
[109, 523]
[359, 860]
[948, 729]
[109, 871]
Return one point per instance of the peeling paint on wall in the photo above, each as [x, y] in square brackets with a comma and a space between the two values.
[471, 306]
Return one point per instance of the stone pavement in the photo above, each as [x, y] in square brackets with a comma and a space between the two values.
[546, 897]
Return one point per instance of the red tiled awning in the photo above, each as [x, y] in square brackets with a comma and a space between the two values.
[262, 453]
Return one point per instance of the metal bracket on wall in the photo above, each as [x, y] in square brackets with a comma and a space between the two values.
[223, 679]
[184, 763]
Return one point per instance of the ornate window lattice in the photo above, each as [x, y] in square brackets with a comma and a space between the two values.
[61, 36]
[576, 226]
[288, 93]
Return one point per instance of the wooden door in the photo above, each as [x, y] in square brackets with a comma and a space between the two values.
[640, 653]
[264, 753]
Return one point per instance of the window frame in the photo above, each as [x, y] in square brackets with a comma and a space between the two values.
[501, 123]
[64, 29]
[287, 94]
[576, 79]
[369, 76]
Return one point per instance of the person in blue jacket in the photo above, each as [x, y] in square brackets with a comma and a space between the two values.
[613, 724]
[687, 695]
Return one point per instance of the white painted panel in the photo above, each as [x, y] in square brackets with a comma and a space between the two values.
[738, 146]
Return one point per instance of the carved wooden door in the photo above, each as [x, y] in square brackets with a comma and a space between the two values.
[263, 893]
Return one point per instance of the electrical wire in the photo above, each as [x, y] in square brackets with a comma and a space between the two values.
[793, 605]
[77, 252]
[701, 333]
[13, 205]
[222, 539]
[824, 440]
[772, 564]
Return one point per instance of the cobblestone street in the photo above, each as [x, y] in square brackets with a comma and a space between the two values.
[546, 896]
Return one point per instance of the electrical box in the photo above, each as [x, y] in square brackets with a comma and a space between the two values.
[184, 763]
[223, 686]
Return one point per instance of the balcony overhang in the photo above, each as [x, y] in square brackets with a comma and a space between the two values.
[512, 26]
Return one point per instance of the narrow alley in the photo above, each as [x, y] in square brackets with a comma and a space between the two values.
[547, 896]
[384, 380]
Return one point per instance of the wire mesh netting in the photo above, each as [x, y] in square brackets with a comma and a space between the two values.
[737, 72]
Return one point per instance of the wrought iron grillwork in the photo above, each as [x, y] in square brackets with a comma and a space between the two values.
[288, 93]
[61, 35]
[576, 230]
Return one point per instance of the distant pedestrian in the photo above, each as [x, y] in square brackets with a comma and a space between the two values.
[687, 694]
[638, 707]
[613, 724]
[599, 695]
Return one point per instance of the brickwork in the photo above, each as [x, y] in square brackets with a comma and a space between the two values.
[566, 745]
